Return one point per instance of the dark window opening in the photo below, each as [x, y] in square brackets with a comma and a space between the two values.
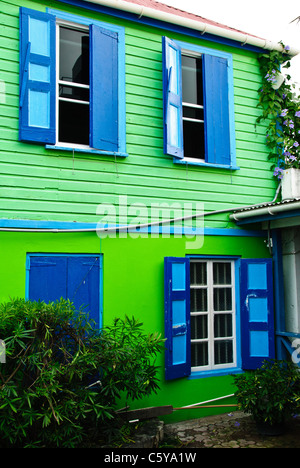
[73, 96]
[192, 107]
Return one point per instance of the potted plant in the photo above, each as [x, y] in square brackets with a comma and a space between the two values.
[280, 103]
[271, 394]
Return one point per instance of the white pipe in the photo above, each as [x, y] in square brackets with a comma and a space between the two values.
[201, 26]
[209, 401]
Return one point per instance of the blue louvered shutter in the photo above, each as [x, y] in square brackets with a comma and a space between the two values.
[177, 318]
[37, 76]
[216, 110]
[172, 99]
[103, 89]
[257, 314]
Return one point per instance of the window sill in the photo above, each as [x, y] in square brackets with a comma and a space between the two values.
[198, 162]
[86, 150]
[214, 373]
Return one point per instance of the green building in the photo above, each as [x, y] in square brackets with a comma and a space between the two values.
[128, 139]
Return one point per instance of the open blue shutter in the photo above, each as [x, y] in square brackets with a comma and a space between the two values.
[257, 315]
[172, 99]
[177, 318]
[37, 76]
[103, 89]
[216, 110]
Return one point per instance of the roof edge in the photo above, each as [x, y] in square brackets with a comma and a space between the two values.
[198, 25]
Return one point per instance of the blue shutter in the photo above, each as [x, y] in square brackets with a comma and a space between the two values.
[257, 315]
[172, 99]
[177, 318]
[37, 76]
[47, 278]
[72, 277]
[83, 284]
[216, 110]
[103, 89]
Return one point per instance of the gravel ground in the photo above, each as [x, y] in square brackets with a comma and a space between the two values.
[232, 430]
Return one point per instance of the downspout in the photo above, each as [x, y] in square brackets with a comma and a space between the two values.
[200, 26]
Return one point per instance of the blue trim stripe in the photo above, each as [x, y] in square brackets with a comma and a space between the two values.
[59, 225]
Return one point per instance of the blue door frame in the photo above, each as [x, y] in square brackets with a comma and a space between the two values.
[78, 277]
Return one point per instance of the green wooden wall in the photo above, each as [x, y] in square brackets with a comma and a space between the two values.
[41, 184]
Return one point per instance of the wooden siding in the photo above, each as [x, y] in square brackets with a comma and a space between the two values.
[42, 184]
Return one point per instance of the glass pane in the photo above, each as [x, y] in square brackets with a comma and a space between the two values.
[222, 325]
[71, 92]
[193, 113]
[198, 326]
[222, 299]
[193, 139]
[222, 273]
[198, 300]
[198, 273]
[74, 55]
[192, 86]
[223, 352]
[199, 354]
[73, 123]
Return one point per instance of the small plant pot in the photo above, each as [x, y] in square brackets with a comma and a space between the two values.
[267, 429]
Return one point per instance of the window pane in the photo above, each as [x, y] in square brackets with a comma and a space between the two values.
[199, 354]
[198, 273]
[73, 123]
[193, 139]
[223, 352]
[192, 87]
[198, 326]
[71, 92]
[222, 325]
[222, 299]
[74, 56]
[198, 300]
[222, 273]
[193, 113]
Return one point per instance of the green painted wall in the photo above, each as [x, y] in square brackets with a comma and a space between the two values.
[50, 185]
[134, 285]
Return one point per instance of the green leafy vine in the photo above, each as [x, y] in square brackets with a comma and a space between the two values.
[280, 106]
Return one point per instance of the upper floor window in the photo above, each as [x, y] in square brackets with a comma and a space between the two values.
[198, 105]
[72, 75]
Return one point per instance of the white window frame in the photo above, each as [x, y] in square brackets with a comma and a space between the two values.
[193, 54]
[78, 27]
[210, 315]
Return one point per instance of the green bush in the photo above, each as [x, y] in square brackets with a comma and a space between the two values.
[62, 378]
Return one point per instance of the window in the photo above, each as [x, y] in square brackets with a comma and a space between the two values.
[73, 86]
[218, 315]
[72, 82]
[192, 107]
[212, 309]
[198, 105]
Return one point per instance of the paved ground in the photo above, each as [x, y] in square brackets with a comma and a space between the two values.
[232, 430]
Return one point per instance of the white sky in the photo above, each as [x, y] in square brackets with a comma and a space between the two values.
[269, 19]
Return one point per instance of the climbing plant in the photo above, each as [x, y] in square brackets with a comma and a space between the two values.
[280, 104]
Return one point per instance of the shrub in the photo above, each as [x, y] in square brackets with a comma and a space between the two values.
[271, 393]
[62, 378]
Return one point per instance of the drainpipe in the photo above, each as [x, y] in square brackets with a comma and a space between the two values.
[200, 26]
[267, 210]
